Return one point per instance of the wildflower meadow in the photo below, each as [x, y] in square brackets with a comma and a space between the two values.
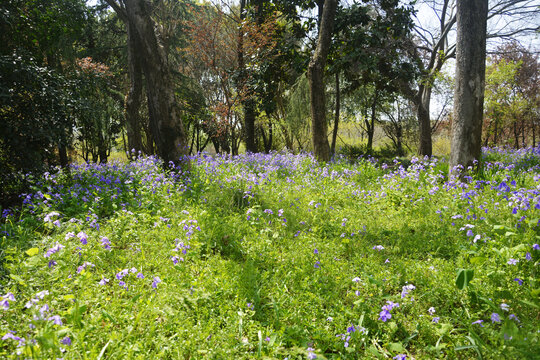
[275, 256]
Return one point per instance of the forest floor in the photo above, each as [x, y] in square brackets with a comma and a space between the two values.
[275, 256]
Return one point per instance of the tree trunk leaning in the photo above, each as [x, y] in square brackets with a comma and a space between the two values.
[166, 125]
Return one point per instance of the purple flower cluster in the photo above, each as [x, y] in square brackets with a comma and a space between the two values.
[4, 300]
[385, 314]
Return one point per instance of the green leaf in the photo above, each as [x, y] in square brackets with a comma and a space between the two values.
[103, 350]
[478, 260]
[464, 277]
[32, 251]
[500, 228]
[375, 281]
[18, 279]
[526, 302]
[396, 347]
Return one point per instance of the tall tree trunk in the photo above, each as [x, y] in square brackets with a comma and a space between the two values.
[488, 132]
[516, 136]
[533, 128]
[470, 82]
[399, 138]
[134, 96]
[167, 127]
[422, 109]
[249, 124]
[62, 154]
[103, 153]
[336, 117]
[316, 67]
[245, 92]
[523, 142]
[371, 124]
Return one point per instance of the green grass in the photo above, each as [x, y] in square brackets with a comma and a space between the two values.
[279, 262]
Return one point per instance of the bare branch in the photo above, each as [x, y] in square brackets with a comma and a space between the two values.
[119, 8]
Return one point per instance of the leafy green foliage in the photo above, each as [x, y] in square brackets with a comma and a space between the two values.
[34, 112]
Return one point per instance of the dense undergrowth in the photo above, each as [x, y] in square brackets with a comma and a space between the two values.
[275, 256]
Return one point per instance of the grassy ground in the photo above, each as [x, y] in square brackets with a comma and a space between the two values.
[275, 256]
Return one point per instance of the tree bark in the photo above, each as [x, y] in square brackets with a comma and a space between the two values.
[516, 136]
[247, 101]
[424, 120]
[470, 82]
[371, 123]
[336, 117]
[166, 125]
[319, 128]
[134, 96]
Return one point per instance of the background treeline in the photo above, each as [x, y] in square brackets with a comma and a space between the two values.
[80, 81]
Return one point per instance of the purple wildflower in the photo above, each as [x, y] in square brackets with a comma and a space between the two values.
[385, 315]
[390, 305]
[156, 281]
[83, 238]
[311, 355]
[4, 303]
[495, 318]
[122, 273]
[56, 319]
[57, 247]
[10, 335]
[405, 290]
[106, 243]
